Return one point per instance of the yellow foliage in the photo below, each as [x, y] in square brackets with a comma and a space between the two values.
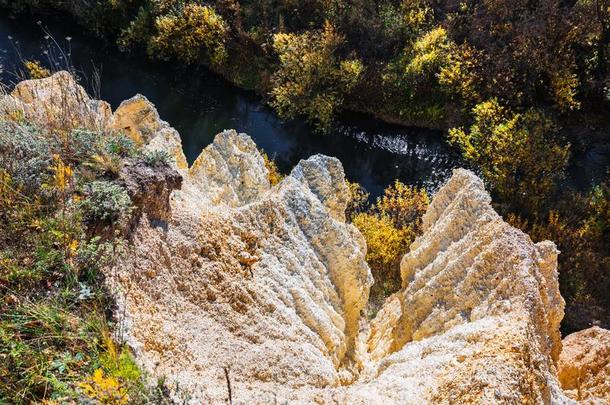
[6, 189]
[386, 244]
[459, 74]
[416, 13]
[564, 85]
[111, 350]
[106, 163]
[350, 71]
[273, 172]
[16, 115]
[36, 70]
[517, 153]
[428, 53]
[389, 228]
[118, 362]
[404, 205]
[106, 389]
[111, 384]
[183, 34]
[72, 247]
[311, 79]
[62, 173]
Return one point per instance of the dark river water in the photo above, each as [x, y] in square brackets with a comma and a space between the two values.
[200, 104]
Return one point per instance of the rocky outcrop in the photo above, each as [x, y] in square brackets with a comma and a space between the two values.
[139, 119]
[473, 277]
[265, 287]
[57, 102]
[270, 288]
[150, 188]
[584, 366]
[269, 284]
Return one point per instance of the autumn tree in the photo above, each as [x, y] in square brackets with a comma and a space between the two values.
[312, 79]
[404, 205]
[412, 79]
[185, 33]
[518, 153]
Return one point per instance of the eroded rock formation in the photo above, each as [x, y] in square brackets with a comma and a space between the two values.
[267, 285]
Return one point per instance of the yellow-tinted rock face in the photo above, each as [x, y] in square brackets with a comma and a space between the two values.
[139, 119]
[584, 365]
[269, 284]
[56, 101]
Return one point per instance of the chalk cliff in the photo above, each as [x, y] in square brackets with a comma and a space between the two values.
[257, 292]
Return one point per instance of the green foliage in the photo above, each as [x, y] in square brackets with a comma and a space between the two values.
[120, 145]
[40, 345]
[421, 58]
[25, 155]
[580, 226]
[156, 158]
[518, 153]
[140, 28]
[427, 56]
[105, 202]
[53, 326]
[412, 79]
[458, 77]
[312, 79]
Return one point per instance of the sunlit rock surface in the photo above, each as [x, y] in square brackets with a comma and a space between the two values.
[266, 286]
[584, 366]
[56, 101]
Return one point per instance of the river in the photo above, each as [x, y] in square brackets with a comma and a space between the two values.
[199, 104]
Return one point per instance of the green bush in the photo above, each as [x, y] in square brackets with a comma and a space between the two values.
[120, 145]
[183, 34]
[25, 154]
[157, 158]
[520, 154]
[312, 80]
[106, 202]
